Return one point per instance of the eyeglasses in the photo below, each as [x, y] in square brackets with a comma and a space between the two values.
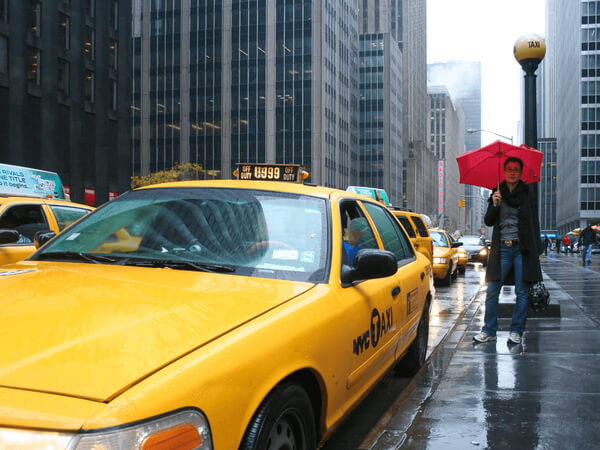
[513, 169]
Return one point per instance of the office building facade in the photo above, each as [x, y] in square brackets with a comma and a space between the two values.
[419, 161]
[463, 80]
[222, 82]
[574, 88]
[65, 76]
[380, 151]
[445, 130]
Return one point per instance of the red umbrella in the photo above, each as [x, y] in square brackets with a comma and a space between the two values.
[484, 166]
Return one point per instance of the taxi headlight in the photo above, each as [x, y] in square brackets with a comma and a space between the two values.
[483, 252]
[440, 260]
[182, 430]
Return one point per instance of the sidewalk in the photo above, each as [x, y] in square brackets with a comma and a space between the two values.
[541, 394]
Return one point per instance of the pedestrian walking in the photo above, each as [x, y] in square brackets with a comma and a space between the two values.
[546, 244]
[567, 243]
[516, 247]
[587, 239]
[558, 242]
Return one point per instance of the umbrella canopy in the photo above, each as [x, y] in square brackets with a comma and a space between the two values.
[484, 166]
[576, 231]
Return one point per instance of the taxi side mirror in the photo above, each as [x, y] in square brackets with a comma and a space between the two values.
[41, 237]
[370, 264]
[456, 244]
[9, 236]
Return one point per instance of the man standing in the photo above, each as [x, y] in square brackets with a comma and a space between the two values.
[546, 244]
[516, 246]
[587, 238]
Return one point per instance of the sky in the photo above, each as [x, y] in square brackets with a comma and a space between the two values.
[486, 31]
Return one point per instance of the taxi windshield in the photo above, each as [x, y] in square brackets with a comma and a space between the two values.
[246, 232]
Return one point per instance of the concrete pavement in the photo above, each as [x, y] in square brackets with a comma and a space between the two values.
[541, 394]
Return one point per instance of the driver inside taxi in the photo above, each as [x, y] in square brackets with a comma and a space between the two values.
[356, 229]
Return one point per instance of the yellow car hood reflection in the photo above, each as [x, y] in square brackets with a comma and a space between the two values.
[91, 331]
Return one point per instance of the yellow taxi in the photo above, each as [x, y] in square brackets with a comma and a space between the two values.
[417, 231]
[445, 256]
[463, 257]
[22, 217]
[209, 314]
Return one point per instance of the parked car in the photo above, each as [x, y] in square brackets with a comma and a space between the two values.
[212, 314]
[417, 231]
[476, 248]
[445, 256]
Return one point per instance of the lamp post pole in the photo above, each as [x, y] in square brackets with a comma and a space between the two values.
[529, 51]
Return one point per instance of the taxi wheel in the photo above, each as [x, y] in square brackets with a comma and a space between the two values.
[455, 273]
[448, 278]
[462, 270]
[284, 420]
[415, 358]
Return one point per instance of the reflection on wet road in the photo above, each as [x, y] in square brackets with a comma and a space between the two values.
[366, 426]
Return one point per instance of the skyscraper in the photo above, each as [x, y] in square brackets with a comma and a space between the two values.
[65, 74]
[463, 80]
[573, 94]
[229, 81]
[447, 141]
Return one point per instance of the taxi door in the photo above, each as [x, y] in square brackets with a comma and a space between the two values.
[372, 309]
[412, 277]
[26, 218]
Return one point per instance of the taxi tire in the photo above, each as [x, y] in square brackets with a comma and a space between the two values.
[285, 419]
[462, 270]
[448, 278]
[417, 352]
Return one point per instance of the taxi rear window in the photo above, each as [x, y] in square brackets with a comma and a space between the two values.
[421, 228]
[252, 232]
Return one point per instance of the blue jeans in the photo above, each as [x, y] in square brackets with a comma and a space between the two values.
[586, 254]
[509, 257]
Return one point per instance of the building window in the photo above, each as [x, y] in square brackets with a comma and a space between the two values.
[33, 65]
[112, 55]
[90, 8]
[89, 86]
[114, 14]
[64, 31]
[35, 17]
[63, 76]
[3, 54]
[3, 10]
[114, 98]
[90, 43]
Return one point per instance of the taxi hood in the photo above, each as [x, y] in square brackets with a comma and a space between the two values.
[90, 331]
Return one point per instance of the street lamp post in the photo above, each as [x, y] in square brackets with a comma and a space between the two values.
[471, 131]
[529, 51]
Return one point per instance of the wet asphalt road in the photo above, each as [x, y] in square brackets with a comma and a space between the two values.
[543, 394]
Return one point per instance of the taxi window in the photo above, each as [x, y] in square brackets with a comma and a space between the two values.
[439, 239]
[421, 228]
[356, 231]
[26, 219]
[66, 215]
[391, 234]
[407, 225]
[240, 231]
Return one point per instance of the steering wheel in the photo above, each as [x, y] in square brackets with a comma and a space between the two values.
[266, 243]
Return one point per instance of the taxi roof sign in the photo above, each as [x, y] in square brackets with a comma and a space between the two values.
[24, 181]
[293, 173]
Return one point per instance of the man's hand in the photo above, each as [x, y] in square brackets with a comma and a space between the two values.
[496, 198]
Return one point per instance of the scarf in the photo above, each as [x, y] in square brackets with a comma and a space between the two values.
[516, 197]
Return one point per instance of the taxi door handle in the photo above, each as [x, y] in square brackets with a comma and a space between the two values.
[395, 291]
[422, 275]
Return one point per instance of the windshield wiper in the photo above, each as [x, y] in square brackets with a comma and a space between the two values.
[178, 264]
[77, 256]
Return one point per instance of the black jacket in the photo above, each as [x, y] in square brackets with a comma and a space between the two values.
[529, 238]
[587, 236]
